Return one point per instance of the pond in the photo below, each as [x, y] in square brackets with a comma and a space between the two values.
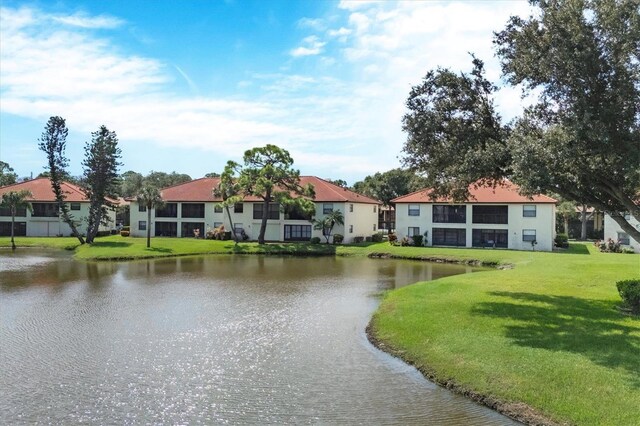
[201, 340]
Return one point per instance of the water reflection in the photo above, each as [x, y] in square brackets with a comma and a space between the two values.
[209, 340]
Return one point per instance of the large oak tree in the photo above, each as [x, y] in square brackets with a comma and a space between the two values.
[268, 174]
[581, 138]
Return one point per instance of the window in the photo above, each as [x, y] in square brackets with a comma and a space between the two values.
[351, 229]
[217, 224]
[529, 211]
[297, 232]
[414, 209]
[142, 225]
[413, 231]
[623, 238]
[166, 229]
[528, 235]
[375, 209]
[449, 214]
[44, 210]
[6, 211]
[169, 210]
[217, 209]
[19, 229]
[489, 238]
[351, 208]
[238, 208]
[327, 208]
[449, 237]
[374, 227]
[193, 210]
[75, 206]
[491, 214]
[192, 229]
[142, 208]
[238, 229]
[274, 211]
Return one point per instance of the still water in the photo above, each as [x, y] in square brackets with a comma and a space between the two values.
[202, 340]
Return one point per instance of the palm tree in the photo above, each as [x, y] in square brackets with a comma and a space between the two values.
[229, 190]
[14, 200]
[150, 197]
[327, 223]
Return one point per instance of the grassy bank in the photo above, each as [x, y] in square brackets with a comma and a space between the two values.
[541, 336]
[545, 333]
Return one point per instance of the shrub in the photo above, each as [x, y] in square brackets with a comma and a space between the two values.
[103, 233]
[338, 238]
[377, 238]
[630, 293]
[124, 233]
[392, 238]
[315, 240]
[561, 240]
[126, 228]
[356, 240]
[417, 240]
[608, 246]
[406, 241]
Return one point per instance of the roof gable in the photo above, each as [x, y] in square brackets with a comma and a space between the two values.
[41, 190]
[201, 190]
[507, 192]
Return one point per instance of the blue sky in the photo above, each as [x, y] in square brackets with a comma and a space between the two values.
[188, 85]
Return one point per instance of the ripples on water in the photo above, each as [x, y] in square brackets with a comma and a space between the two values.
[209, 340]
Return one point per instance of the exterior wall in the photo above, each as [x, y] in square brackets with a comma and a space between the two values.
[363, 218]
[611, 230]
[543, 223]
[54, 226]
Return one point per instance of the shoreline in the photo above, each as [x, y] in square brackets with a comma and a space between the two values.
[518, 411]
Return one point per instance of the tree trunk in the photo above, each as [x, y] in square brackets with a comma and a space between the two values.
[566, 226]
[69, 221]
[233, 232]
[265, 216]
[583, 218]
[631, 230]
[148, 227]
[13, 219]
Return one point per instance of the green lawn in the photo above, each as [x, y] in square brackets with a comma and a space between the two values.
[546, 333]
[543, 331]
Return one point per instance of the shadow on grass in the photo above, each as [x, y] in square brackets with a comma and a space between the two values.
[159, 249]
[293, 249]
[111, 244]
[563, 323]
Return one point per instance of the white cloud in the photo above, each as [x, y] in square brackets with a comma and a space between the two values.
[317, 24]
[82, 20]
[311, 46]
[343, 125]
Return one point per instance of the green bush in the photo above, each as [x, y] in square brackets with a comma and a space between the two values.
[315, 240]
[124, 233]
[377, 238]
[356, 240]
[126, 228]
[608, 246]
[562, 241]
[338, 238]
[417, 240]
[630, 292]
[392, 238]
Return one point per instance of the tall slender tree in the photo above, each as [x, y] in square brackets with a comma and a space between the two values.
[53, 143]
[14, 201]
[229, 190]
[150, 197]
[101, 176]
[7, 175]
[269, 175]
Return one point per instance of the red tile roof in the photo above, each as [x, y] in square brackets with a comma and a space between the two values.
[40, 189]
[507, 192]
[201, 190]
